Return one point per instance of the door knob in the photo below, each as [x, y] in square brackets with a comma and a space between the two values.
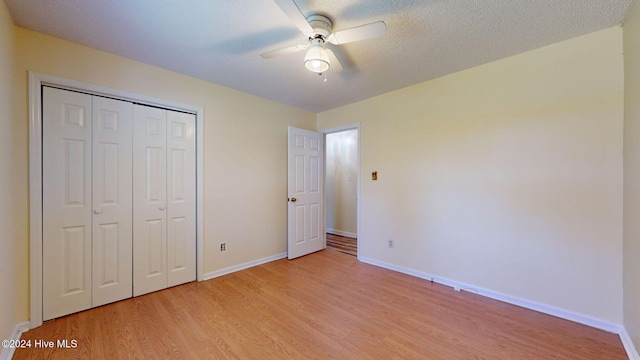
[293, 199]
[161, 208]
[97, 211]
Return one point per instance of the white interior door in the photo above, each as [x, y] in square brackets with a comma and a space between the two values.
[149, 199]
[112, 203]
[181, 198]
[66, 202]
[306, 231]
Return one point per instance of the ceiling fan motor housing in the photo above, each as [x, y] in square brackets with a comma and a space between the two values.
[321, 25]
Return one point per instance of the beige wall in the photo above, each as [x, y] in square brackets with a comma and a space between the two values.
[245, 144]
[12, 233]
[507, 176]
[632, 174]
[341, 181]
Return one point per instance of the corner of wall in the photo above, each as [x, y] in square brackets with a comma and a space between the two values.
[631, 192]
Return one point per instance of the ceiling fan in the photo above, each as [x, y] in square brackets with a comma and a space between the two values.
[318, 29]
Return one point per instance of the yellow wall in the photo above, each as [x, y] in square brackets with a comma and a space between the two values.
[11, 231]
[245, 144]
[632, 174]
[507, 176]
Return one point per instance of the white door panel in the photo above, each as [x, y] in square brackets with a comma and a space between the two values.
[153, 251]
[306, 232]
[181, 194]
[66, 203]
[112, 204]
[149, 200]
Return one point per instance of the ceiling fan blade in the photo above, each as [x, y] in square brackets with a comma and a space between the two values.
[287, 50]
[333, 60]
[293, 12]
[363, 32]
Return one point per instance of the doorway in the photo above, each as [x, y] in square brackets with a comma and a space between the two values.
[342, 174]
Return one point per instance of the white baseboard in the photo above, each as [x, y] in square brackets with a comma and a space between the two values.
[557, 312]
[342, 233]
[629, 347]
[232, 269]
[7, 353]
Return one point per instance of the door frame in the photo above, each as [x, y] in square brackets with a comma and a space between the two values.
[36, 81]
[355, 126]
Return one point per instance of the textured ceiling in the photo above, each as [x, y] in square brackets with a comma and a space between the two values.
[220, 40]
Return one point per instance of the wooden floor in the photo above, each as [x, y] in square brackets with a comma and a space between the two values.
[322, 306]
[343, 244]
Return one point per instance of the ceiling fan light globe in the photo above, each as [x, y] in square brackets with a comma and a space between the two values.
[317, 60]
[318, 66]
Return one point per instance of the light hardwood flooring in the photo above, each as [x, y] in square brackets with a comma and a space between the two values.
[322, 306]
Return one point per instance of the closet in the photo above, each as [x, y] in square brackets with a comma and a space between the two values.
[118, 200]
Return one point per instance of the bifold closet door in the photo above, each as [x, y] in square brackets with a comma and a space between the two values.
[112, 263]
[87, 206]
[181, 198]
[149, 200]
[164, 199]
[66, 202]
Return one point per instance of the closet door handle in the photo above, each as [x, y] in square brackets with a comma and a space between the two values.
[161, 208]
[97, 211]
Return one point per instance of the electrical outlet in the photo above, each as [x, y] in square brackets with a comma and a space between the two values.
[390, 243]
[223, 247]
